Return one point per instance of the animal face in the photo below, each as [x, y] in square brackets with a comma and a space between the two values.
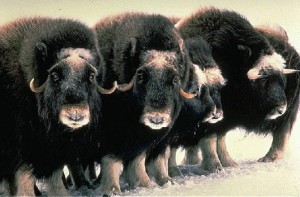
[270, 91]
[215, 93]
[201, 55]
[159, 82]
[156, 86]
[69, 93]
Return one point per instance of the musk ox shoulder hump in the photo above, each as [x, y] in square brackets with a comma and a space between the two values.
[194, 15]
[109, 21]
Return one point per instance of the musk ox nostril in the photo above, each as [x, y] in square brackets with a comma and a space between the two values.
[75, 117]
[281, 109]
[217, 115]
[156, 120]
[276, 112]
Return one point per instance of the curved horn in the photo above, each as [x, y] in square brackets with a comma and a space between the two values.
[186, 95]
[36, 89]
[108, 91]
[253, 74]
[289, 71]
[126, 86]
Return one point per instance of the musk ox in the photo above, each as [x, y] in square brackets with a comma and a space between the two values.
[204, 109]
[146, 56]
[50, 101]
[200, 54]
[255, 93]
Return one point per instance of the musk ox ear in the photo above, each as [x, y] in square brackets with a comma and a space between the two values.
[40, 67]
[41, 51]
[244, 50]
[181, 45]
[132, 46]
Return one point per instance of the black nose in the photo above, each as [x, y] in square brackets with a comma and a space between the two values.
[75, 117]
[156, 120]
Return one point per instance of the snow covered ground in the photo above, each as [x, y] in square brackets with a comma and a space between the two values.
[250, 178]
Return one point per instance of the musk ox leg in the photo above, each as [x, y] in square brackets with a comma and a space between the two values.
[136, 173]
[25, 182]
[78, 176]
[223, 154]
[159, 168]
[192, 156]
[92, 171]
[55, 185]
[111, 169]
[210, 157]
[173, 169]
[279, 145]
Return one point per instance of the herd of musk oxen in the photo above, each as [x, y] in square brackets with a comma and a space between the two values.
[128, 91]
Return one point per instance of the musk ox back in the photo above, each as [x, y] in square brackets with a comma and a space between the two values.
[50, 97]
[146, 56]
[256, 75]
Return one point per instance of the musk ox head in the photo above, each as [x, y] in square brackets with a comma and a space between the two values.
[273, 77]
[215, 82]
[69, 92]
[266, 72]
[157, 87]
[268, 81]
[206, 68]
[208, 100]
[267, 75]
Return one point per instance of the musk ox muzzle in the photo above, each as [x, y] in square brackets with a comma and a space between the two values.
[75, 116]
[214, 116]
[276, 112]
[157, 119]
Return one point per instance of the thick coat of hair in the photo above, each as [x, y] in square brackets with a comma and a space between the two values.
[114, 36]
[237, 47]
[192, 120]
[31, 132]
[126, 41]
[200, 54]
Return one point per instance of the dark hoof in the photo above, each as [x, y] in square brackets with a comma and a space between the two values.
[175, 172]
[163, 181]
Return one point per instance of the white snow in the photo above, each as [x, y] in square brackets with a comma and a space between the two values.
[250, 178]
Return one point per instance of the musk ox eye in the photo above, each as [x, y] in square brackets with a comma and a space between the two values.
[264, 73]
[263, 81]
[140, 76]
[54, 76]
[175, 80]
[92, 76]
